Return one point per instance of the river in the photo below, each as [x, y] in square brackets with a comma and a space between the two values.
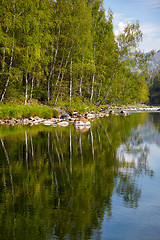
[96, 183]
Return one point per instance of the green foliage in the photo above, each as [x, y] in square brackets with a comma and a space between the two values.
[77, 105]
[17, 111]
[154, 88]
[57, 50]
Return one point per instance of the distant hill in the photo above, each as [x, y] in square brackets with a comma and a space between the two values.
[155, 61]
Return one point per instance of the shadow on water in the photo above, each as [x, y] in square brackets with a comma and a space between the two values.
[57, 183]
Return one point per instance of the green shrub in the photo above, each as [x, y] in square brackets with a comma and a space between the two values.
[15, 111]
[55, 113]
[4, 112]
[26, 112]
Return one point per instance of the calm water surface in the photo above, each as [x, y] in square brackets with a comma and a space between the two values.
[100, 183]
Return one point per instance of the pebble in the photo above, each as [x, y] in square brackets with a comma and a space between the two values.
[66, 118]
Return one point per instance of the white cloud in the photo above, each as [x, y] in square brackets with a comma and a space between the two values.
[120, 28]
[120, 23]
[150, 31]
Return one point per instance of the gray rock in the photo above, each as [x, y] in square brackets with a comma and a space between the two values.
[90, 115]
[124, 113]
[65, 116]
[63, 124]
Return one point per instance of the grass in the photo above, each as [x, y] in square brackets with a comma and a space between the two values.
[22, 111]
[77, 105]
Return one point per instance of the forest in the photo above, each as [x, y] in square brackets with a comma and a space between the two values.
[154, 87]
[64, 52]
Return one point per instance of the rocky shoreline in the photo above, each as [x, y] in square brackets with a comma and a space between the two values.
[71, 117]
[63, 118]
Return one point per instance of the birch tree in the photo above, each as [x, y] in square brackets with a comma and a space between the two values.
[13, 13]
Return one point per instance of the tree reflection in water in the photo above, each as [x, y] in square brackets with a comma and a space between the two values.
[58, 183]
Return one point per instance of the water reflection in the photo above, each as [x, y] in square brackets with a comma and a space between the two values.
[58, 183]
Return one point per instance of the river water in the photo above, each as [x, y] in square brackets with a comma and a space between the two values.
[96, 183]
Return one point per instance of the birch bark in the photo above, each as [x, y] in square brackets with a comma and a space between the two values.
[4, 54]
[54, 61]
[26, 93]
[108, 90]
[81, 80]
[93, 79]
[12, 53]
[71, 81]
[63, 75]
[32, 84]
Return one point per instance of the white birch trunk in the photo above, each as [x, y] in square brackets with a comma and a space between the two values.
[12, 52]
[71, 81]
[60, 67]
[99, 92]
[65, 67]
[32, 84]
[80, 88]
[4, 54]
[107, 93]
[9, 72]
[118, 94]
[63, 75]
[26, 93]
[81, 80]
[93, 79]
[52, 69]
[92, 89]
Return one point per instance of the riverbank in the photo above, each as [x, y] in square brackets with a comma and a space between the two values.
[140, 109]
[62, 118]
[34, 115]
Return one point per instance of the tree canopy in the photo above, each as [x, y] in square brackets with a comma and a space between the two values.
[55, 51]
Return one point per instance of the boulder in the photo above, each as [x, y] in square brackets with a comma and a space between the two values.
[71, 119]
[81, 121]
[47, 122]
[124, 113]
[63, 124]
[90, 115]
[65, 116]
[82, 128]
[69, 113]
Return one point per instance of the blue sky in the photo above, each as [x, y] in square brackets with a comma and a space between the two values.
[147, 12]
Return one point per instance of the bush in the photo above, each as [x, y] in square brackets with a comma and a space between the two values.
[15, 111]
[55, 113]
[4, 112]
